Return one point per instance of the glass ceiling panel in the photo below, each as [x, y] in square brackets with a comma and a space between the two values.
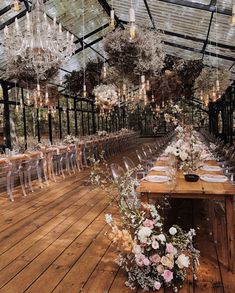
[10, 14]
[181, 41]
[99, 34]
[221, 30]
[179, 19]
[185, 54]
[224, 4]
[69, 13]
[212, 61]
[221, 51]
[122, 11]
[4, 3]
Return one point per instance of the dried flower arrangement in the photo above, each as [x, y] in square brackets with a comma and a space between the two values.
[74, 81]
[143, 54]
[206, 82]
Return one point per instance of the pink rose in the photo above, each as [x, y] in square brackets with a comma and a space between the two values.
[157, 285]
[155, 258]
[155, 244]
[148, 223]
[139, 258]
[146, 261]
[168, 276]
[169, 248]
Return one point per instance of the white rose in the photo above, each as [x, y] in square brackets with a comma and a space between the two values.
[136, 249]
[161, 237]
[144, 233]
[172, 231]
[183, 155]
[182, 261]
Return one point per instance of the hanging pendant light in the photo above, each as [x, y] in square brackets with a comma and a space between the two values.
[132, 22]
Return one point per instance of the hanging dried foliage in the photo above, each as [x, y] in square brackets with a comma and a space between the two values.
[74, 81]
[166, 86]
[143, 54]
[26, 76]
[207, 81]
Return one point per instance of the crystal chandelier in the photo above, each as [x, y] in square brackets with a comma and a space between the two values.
[37, 45]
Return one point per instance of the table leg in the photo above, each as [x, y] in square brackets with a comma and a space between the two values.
[144, 198]
[230, 230]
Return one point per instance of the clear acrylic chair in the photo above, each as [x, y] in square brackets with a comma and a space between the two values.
[117, 172]
[5, 171]
[21, 169]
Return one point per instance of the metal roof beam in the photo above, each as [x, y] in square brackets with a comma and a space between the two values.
[213, 3]
[149, 13]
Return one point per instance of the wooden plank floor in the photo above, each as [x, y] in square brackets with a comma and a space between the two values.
[54, 241]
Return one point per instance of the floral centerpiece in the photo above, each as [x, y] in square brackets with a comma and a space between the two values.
[152, 257]
[70, 139]
[187, 148]
[102, 133]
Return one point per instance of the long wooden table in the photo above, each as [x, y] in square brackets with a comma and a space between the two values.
[196, 190]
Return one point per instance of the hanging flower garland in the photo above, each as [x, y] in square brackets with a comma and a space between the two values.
[106, 98]
[144, 53]
[211, 80]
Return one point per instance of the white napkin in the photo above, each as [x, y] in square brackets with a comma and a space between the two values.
[211, 168]
[213, 178]
[156, 178]
[159, 168]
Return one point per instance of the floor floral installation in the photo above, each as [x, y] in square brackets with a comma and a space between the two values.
[151, 256]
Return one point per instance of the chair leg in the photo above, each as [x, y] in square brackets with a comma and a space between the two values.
[30, 181]
[53, 170]
[39, 177]
[61, 168]
[22, 183]
[9, 191]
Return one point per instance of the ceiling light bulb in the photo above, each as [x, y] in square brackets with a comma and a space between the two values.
[132, 31]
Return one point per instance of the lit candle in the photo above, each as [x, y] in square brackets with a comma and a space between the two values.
[16, 24]
[6, 30]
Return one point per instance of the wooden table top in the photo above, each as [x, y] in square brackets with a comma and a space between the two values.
[182, 188]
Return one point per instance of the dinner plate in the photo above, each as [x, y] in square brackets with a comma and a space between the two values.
[211, 168]
[213, 178]
[159, 168]
[156, 178]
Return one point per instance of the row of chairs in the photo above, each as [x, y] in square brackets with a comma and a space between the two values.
[223, 152]
[147, 154]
